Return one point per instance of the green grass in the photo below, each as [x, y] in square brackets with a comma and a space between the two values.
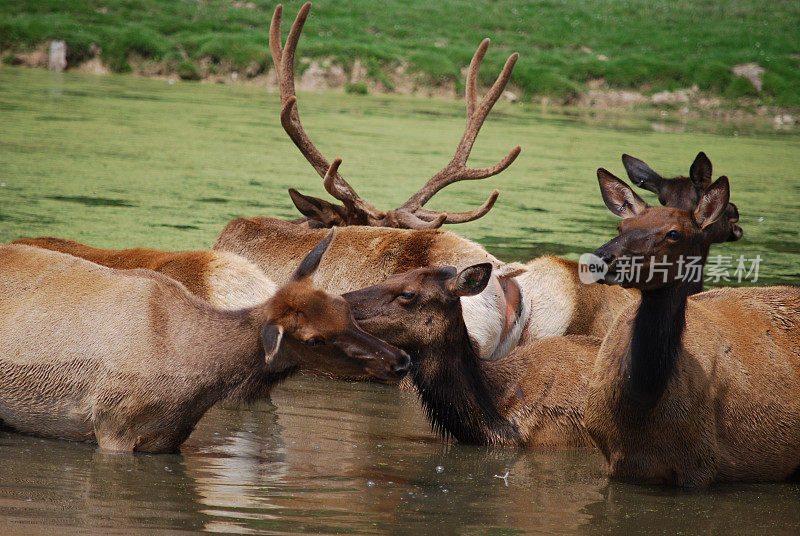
[649, 45]
[119, 161]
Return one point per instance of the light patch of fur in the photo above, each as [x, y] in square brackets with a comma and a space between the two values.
[485, 317]
[549, 291]
[235, 283]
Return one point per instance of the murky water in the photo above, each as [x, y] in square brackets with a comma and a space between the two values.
[336, 457]
[123, 162]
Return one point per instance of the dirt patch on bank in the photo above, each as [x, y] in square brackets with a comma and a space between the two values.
[327, 75]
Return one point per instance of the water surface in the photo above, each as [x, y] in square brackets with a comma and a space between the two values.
[123, 162]
[352, 458]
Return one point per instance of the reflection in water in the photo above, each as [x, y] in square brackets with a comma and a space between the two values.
[355, 458]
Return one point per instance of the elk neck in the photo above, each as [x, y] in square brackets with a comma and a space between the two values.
[656, 342]
[260, 376]
[461, 393]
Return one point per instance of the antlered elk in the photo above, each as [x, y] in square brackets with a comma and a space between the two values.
[223, 279]
[547, 300]
[690, 391]
[358, 211]
[130, 359]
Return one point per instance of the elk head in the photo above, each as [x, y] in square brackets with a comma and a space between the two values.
[419, 308]
[320, 331]
[655, 242]
[684, 192]
[355, 210]
[420, 311]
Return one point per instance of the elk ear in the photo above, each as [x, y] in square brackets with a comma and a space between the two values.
[641, 175]
[471, 280]
[700, 172]
[309, 265]
[271, 337]
[713, 203]
[618, 196]
[317, 209]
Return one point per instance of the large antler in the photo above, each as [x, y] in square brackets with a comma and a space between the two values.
[357, 211]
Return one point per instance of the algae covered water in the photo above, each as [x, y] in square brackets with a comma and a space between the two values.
[123, 162]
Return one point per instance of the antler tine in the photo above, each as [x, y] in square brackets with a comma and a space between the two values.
[275, 46]
[341, 190]
[283, 58]
[456, 169]
[410, 220]
[472, 77]
[461, 217]
[476, 119]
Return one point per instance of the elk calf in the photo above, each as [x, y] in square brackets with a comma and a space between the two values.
[691, 391]
[132, 360]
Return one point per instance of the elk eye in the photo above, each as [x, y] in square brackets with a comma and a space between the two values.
[407, 295]
[673, 235]
[315, 341]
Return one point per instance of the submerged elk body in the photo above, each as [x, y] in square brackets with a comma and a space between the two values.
[693, 390]
[132, 360]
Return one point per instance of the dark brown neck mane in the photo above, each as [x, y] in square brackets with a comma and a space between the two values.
[460, 392]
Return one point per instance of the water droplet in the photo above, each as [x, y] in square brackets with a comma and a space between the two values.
[370, 483]
[439, 469]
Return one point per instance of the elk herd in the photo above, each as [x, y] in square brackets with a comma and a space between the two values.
[129, 348]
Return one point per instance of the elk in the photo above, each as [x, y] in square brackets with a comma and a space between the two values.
[547, 299]
[355, 210]
[223, 279]
[691, 391]
[130, 359]
[684, 193]
[534, 396]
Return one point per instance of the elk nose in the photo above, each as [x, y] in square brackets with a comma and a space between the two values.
[402, 365]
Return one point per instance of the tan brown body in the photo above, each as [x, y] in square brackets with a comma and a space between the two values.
[132, 360]
[732, 409]
[221, 278]
[561, 304]
[693, 390]
[555, 377]
[555, 302]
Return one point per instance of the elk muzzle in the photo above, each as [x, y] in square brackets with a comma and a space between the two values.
[375, 356]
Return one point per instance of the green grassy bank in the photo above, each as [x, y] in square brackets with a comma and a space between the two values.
[646, 45]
